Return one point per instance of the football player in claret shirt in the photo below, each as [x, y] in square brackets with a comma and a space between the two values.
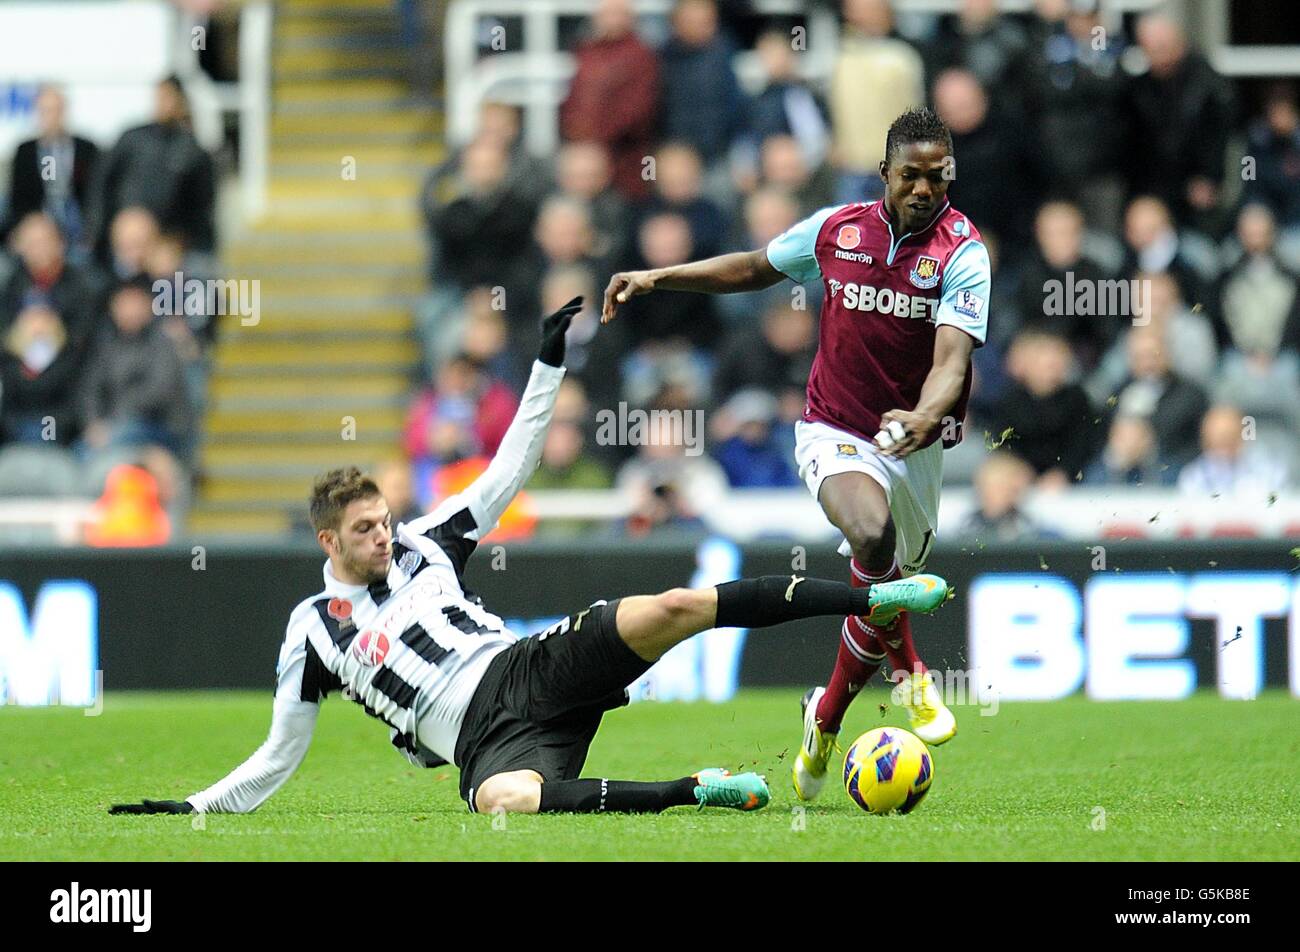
[906, 283]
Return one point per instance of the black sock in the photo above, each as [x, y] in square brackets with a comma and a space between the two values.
[772, 599]
[616, 796]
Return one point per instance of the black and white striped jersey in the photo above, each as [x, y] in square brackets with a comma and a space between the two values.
[412, 649]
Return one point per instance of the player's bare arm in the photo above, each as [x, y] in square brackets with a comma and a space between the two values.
[939, 393]
[725, 274]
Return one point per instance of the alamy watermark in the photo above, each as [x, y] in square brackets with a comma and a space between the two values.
[1086, 297]
[954, 686]
[216, 297]
[637, 427]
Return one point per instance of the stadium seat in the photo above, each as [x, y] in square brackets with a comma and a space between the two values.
[43, 471]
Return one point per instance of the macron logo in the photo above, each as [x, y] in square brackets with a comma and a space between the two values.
[103, 905]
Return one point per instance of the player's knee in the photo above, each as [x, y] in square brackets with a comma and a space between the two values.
[865, 531]
[680, 604]
[508, 794]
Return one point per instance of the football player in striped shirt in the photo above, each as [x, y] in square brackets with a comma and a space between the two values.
[395, 631]
[906, 290]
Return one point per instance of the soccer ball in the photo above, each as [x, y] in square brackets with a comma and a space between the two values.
[888, 770]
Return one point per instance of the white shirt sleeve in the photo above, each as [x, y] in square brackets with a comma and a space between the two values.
[250, 784]
[516, 459]
[293, 721]
[964, 299]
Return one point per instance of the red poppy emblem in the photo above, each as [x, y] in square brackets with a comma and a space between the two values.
[370, 648]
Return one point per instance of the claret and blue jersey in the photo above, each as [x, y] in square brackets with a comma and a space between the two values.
[885, 296]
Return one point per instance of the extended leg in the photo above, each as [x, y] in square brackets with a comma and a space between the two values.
[524, 791]
[651, 624]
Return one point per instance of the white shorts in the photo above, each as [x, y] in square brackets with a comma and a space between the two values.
[911, 485]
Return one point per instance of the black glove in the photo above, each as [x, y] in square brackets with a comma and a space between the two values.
[554, 327]
[153, 806]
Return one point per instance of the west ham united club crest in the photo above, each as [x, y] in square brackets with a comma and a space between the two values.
[925, 274]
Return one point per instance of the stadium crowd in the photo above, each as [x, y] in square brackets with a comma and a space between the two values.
[1091, 153]
[102, 375]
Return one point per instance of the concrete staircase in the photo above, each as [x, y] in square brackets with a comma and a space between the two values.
[340, 259]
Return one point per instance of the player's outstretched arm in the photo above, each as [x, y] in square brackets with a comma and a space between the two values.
[724, 274]
[250, 784]
[521, 448]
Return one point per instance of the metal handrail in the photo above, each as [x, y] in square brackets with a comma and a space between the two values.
[541, 69]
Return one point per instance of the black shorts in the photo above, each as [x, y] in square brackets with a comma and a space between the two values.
[541, 700]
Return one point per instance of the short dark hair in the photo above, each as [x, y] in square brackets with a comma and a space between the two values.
[334, 491]
[916, 125]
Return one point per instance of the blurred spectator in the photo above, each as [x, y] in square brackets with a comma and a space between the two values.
[44, 277]
[53, 173]
[191, 327]
[1259, 303]
[670, 486]
[485, 340]
[1076, 99]
[877, 76]
[614, 97]
[502, 122]
[1187, 338]
[134, 390]
[787, 105]
[1226, 465]
[1058, 260]
[990, 154]
[679, 187]
[480, 220]
[747, 444]
[131, 238]
[465, 413]
[1154, 245]
[991, 46]
[593, 354]
[394, 478]
[1188, 335]
[782, 165]
[1260, 372]
[583, 173]
[1000, 485]
[1274, 144]
[1181, 113]
[565, 463]
[1130, 457]
[524, 175]
[767, 213]
[162, 167]
[668, 366]
[702, 100]
[665, 239]
[166, 263]
[1153, 392]
[1053, 426]
[564, 235]
[776, 353]
[39, 370]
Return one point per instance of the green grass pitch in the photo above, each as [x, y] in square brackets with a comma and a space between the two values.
[1197, 779]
